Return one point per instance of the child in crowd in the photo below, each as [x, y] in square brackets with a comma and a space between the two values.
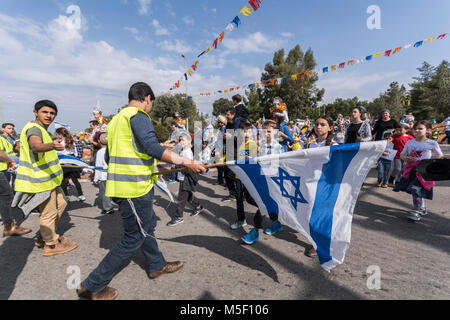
[323, 133]
[384, 163]
[248, 149]
[269, 146]
[399, 139]
[205, 156]
[339, 136]
[188, 182]
[416, 150]
[69, 173]
[101, 175]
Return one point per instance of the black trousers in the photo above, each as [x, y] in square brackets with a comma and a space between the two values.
[183, 197]
[74, 177]
[243, 194]
[230, 180]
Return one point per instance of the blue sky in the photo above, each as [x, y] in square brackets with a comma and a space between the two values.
[124, 41]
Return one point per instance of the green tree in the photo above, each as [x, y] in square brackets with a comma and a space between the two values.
[187, 108]
[221, 106]
[165, 107]
[301, 96]
[253, 104]
[393, 99]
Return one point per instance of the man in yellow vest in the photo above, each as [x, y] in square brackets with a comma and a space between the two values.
[10, 227]
[131, 157]
[40, 174]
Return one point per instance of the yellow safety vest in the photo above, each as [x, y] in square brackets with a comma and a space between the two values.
[130, 169]
[7, 148]
[37, 176]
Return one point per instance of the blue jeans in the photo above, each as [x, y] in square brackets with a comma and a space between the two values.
[384, 167]
[132, 240]
[399, 165]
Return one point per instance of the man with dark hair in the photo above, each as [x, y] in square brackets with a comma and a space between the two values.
[242, 113]
[40, 175]
[131, 157]
[7, 132]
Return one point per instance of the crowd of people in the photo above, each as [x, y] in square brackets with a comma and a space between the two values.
[125, 155]
[396, 167]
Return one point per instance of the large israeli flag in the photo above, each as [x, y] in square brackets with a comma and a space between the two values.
[313, 191]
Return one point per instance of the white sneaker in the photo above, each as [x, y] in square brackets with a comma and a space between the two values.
[423, 211]
[81, 198]
[238, 224]
[414, 215]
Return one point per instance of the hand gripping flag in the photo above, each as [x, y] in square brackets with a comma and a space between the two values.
[313, 191]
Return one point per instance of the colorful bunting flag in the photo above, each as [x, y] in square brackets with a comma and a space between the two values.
[285, 79]
[246, 11]
[255, 4]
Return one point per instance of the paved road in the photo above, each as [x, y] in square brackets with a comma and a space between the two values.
[413, 257]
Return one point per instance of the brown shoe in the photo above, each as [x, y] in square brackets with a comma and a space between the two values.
[15, 230]
[107, 293]
[168, 268]
[40, 243]
[59, 248]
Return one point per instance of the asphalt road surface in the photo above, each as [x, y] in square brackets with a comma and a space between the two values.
[412, 258]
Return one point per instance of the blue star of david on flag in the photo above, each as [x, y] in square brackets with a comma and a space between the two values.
[297, 197]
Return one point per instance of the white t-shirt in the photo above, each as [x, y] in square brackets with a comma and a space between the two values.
[314, 144]
[67, 152]
[422, 150]
[187, 153]
[101, 163]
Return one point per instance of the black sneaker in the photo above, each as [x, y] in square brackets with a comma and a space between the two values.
[228, 199]
[197, 211]
[175, 221]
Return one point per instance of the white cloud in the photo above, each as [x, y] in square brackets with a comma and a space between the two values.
[253, 73]
[177, 46]
[143, 6]
[188, 21]
[287, 34]
[135, 33]
[253, 43]
[160, 30]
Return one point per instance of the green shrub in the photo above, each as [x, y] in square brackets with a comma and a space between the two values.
[162, 133]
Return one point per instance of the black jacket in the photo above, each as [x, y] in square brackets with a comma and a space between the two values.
[190, 181]
[241, 111]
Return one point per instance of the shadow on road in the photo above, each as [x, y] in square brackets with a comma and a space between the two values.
[14, 254]
[231, 250]
[432, 230]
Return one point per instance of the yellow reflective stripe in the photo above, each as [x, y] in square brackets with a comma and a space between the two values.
[131, 161]
[128, 178]
[39, 180]
[39, 168]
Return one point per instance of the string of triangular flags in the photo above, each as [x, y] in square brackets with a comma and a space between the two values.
[332, 68]
[246, 12]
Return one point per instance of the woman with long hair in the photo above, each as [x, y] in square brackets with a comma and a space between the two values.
[359, 130]
[69, 173]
